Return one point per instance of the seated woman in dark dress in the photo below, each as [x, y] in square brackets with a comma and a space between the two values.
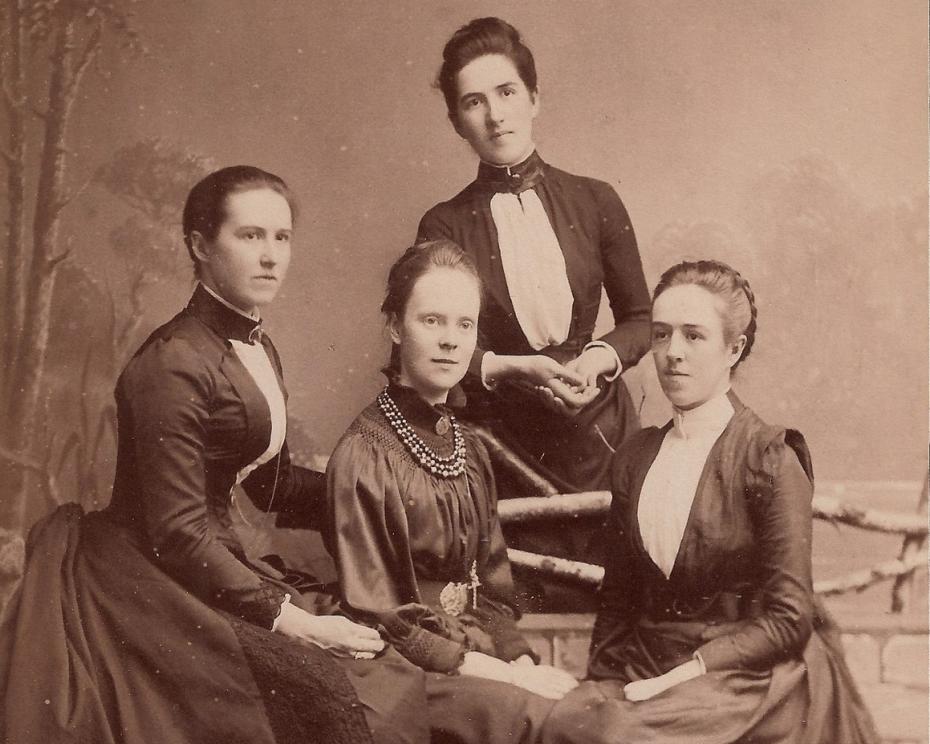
[413, 518]
[708, 629]
[147, 621]
[545, 243]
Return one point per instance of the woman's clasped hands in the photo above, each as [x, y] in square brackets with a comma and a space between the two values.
[574, 385]
[335, 633]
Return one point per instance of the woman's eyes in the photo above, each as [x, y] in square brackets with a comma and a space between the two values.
[508, 92]
[693, 336]
[284, 238]
[467, 325]
[659, 335]
[431, 320]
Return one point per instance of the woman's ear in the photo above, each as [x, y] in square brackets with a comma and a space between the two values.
[394, 327]
[534, 97]
[199, 246]
[736, 349]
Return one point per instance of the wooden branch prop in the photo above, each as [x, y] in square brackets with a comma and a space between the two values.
[598, 502]
[559, 506]
[590, 575]
[577, 572]
[859, 580]
[834, 510]
[902, 591]
[504, 456]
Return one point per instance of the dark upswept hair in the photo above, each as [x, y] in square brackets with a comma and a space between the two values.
[476, 39]
[725, 282]
[205, 208]
[416, 262]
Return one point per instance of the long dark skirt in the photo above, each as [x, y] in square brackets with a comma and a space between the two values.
[468, 710]
[99, 645]
[800, 701]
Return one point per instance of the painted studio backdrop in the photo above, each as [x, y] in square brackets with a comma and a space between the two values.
[788, 139]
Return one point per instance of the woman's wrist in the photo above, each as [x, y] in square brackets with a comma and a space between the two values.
[496, 367]
[607, 360]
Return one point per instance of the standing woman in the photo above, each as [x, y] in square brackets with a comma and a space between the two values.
[707, 628]
[148, 620]
[413, 518]
[545, 242]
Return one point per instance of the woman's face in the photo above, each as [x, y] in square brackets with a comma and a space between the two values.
[691, 354]
[247, 261]
[438, 332]
[495, 110]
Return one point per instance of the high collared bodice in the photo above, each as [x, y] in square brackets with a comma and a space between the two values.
[512, 178]
[207, 396]
[595, 237]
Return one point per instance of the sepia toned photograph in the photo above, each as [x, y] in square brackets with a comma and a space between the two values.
[464, 372]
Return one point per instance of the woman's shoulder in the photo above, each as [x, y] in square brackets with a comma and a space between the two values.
[182, 346]
[766, 445]
[444, 214]
[593, 186]
[369, 437]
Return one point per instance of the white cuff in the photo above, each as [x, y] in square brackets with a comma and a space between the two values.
[287, 599]
[700, 661]
[488, 384]
[604, 345]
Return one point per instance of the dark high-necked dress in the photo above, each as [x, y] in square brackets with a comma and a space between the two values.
[599, 249]
[739, 595]
[148, 620]
[399, 535]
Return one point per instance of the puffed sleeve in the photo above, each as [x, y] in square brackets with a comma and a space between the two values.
[367, 532]
[496, 592]
[780, 503]
[624, 282]
[166, 395]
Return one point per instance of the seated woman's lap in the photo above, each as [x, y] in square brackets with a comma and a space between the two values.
[472, 710]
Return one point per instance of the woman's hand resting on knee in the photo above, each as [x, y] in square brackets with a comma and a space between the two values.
[332, 632]
[643, 689]
[543, 680]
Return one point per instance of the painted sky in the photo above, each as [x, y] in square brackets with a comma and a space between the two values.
[681, 106]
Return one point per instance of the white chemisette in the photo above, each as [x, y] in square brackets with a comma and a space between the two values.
[672, 481]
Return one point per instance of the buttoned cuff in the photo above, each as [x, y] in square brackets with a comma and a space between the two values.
[604, 345]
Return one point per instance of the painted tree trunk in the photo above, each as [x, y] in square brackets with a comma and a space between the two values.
[15, 156]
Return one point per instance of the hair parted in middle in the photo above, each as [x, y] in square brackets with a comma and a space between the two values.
[722, 280]
[476, 39]
[417, 261]
[205, 208]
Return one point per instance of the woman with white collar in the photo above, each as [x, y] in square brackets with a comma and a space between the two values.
[149, 620]
[545, 243]
[707, 628]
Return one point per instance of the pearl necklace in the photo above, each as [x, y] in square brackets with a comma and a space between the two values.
[444, 467]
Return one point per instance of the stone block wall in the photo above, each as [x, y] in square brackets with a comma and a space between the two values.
[887, 654]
